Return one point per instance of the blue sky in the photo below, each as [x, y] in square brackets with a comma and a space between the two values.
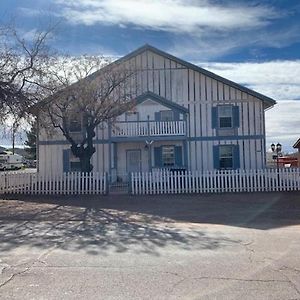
[255, 43]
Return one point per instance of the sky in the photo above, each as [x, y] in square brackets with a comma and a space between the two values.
[254, 43]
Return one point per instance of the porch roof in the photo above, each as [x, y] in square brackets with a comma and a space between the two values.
[170, 104]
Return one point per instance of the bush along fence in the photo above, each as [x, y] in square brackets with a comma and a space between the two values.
[64, 184]
[167, 182]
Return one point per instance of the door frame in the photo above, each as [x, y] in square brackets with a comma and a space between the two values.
[140, 160]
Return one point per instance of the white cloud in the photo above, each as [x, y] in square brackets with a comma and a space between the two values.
[277, 79]
[168, 15]
[283, 124]
[210, 44]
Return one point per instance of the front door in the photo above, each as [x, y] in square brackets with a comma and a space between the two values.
[133, 160]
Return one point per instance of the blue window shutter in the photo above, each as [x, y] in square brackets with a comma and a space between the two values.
[178, 156]
[157, 157]
[176, 115]
[216, 157]
[236, 116]
[157, 116]
[214, 117]
[236, 157]
[66, 160]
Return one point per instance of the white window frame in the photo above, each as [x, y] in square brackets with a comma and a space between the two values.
[172, 159]
[78, 121]
[219, 117]
[166, 111]
[226, 157]
[73, 159]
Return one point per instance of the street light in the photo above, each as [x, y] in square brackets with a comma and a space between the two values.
[276, 149]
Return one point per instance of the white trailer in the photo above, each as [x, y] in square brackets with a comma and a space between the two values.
[10, 161]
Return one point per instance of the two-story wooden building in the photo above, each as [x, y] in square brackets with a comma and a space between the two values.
[185, 118]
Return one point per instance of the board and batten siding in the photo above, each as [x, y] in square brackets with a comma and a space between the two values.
[198, 93]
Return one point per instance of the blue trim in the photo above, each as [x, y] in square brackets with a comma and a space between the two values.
[65, 142]
[163, 101]
[157, 156]
[236, 116]
[185, 154]
[157, 116]
[178, 156]
[216, 157]
[66, 160]
[226, 138]
[115, 154]
[214, 117]
[163, 138]
[154, 138]
[236, 157]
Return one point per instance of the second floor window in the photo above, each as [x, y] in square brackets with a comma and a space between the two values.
[225, 116]
[166, 115]
[75, 124]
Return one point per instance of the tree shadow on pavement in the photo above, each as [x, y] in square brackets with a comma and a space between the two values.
[143, 224]
[97, 230]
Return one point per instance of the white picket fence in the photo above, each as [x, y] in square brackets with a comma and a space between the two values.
[167, 182]
[64, 184]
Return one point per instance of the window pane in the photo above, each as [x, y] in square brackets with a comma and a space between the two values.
[166, 115]
[225, 122]
[168, 156]
[225, 111]
[225, 151]
[225, 116]
[75, 126]
[226, 163]
[226, 157]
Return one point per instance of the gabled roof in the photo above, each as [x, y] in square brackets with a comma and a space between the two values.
[170, 104]
[297, 144]
[267, 100]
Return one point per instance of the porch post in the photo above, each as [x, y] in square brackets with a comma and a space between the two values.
[149, 145]
[110, 150]
[185, 154]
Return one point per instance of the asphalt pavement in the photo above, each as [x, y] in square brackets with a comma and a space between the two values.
[231, 246]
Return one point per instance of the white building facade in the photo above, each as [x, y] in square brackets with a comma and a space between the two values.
[186, 118]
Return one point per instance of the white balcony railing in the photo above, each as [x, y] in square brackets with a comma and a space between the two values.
[149, 128]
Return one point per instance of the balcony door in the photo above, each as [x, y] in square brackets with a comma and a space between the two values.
[133, 161]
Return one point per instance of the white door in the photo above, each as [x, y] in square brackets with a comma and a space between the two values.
[133, 160]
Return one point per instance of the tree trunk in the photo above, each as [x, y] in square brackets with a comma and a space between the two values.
[85, 153]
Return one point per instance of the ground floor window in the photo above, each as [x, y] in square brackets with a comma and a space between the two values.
[226, 157]
[168, 156]
[74, 163]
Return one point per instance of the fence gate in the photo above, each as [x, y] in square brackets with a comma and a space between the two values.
[119, 183]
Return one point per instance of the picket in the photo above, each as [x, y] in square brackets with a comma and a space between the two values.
[165, 182]
[66, 184]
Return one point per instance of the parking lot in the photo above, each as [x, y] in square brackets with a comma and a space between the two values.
[227, 246]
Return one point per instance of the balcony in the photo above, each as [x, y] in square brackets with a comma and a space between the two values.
[148, 128]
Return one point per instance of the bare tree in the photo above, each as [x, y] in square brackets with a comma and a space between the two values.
[95, 99]
[22, 65]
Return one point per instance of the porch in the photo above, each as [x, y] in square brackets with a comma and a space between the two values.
[145, 156]
[148, 128]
